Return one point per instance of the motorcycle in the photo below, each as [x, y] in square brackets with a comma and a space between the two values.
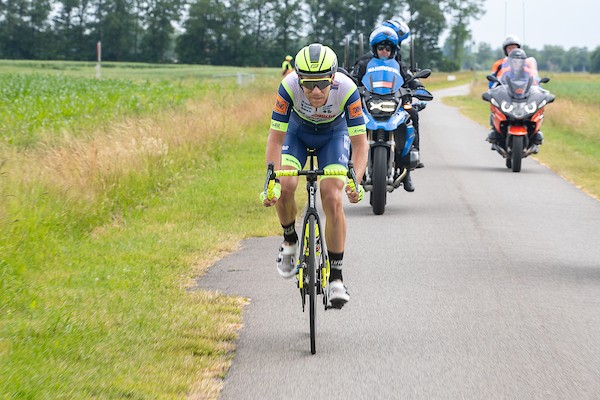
[385, 101]
[517, 105]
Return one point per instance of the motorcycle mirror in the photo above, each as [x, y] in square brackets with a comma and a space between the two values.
[550, 98]
[545, 80]
[492, 78]
[486, 96]
[424, 73]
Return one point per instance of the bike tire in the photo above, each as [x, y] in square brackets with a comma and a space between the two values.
[311, 265]
[517, 153]
[379, 191]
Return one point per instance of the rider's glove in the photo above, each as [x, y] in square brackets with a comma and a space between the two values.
[361, 192]
[359, 189]
[273, 191]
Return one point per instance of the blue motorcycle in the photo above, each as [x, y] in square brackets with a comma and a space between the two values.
[385, 100]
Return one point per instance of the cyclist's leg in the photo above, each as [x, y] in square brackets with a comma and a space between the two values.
[293, 156]
[334, 154]
[292, 153]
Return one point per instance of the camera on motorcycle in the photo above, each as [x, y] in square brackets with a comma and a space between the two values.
[486, 96]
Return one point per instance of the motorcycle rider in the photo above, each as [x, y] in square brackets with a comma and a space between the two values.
[384, 42]
[403, 32]
[515, 65]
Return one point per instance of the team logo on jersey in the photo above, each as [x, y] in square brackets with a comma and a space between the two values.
[355, 109]
[281, 106]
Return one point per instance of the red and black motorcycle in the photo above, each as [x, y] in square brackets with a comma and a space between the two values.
[517, 104]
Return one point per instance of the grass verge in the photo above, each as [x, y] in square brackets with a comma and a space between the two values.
[100, 238]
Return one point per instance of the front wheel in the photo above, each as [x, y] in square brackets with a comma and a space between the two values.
[379, 176]
[312, 282]
[517, 153]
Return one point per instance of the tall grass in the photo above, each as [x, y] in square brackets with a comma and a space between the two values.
[100, 234]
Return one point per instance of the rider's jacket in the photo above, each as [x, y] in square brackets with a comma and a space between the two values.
[343, 101]
[360, 69]
[286, 67]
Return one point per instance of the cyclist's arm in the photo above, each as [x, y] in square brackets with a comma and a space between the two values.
[357, 132]
[274, 144]
[280, 118]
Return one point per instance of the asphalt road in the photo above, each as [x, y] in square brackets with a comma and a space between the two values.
[482, 284]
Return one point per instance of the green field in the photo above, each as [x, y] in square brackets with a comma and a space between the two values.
[116, 194]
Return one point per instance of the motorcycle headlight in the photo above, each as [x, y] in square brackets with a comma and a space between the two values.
[531, 107]
[505, 107]
[382, 107]
[519, 110]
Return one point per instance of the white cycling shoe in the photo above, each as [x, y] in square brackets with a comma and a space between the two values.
[286, 260]
[338, 294]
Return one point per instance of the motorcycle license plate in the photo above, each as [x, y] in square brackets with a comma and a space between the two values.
[517, 130]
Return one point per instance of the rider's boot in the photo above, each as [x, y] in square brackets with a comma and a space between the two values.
[286, 259]
[538, 138]
[492, 137]
[408, 183]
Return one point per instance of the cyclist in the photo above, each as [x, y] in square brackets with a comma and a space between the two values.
[317, 108]
[286, 66]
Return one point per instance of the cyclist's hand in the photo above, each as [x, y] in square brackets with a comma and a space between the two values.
[355, 195]
[272, 195]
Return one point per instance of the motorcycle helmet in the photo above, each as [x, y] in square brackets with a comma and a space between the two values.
[516, 59]
[511, 40]
[316, 61]
[401, 29]
[386, 36]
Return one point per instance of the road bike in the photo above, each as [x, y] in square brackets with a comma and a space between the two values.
[312, 265]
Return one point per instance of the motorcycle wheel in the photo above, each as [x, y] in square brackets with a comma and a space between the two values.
[517, 153]
[379, 191]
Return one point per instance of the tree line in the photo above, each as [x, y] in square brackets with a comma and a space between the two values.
[245, 32]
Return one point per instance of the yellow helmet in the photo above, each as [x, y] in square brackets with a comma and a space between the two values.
[316, 60]
[288, 58]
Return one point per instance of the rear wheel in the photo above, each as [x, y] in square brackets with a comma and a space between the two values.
[379, 191]
[517, 153]
[312, 282]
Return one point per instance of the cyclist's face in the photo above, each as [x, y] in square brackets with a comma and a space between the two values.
[316, 96]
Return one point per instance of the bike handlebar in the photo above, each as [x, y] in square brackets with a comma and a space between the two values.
[273, 174]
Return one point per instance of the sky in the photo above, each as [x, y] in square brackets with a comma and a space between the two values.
[570, 23]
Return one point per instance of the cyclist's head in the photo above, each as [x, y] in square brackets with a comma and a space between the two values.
[510, 42]
[401, 29]
[382, 40]
[316, 61]
[288, 58]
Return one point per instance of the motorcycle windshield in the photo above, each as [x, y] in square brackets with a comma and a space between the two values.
[521, 75]
[383, 76]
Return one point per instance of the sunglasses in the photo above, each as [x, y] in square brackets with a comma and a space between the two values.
[385, 47]
[321, 83]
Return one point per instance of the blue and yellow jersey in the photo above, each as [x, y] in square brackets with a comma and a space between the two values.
[343, 100]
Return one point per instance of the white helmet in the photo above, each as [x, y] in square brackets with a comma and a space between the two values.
[511, 40]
